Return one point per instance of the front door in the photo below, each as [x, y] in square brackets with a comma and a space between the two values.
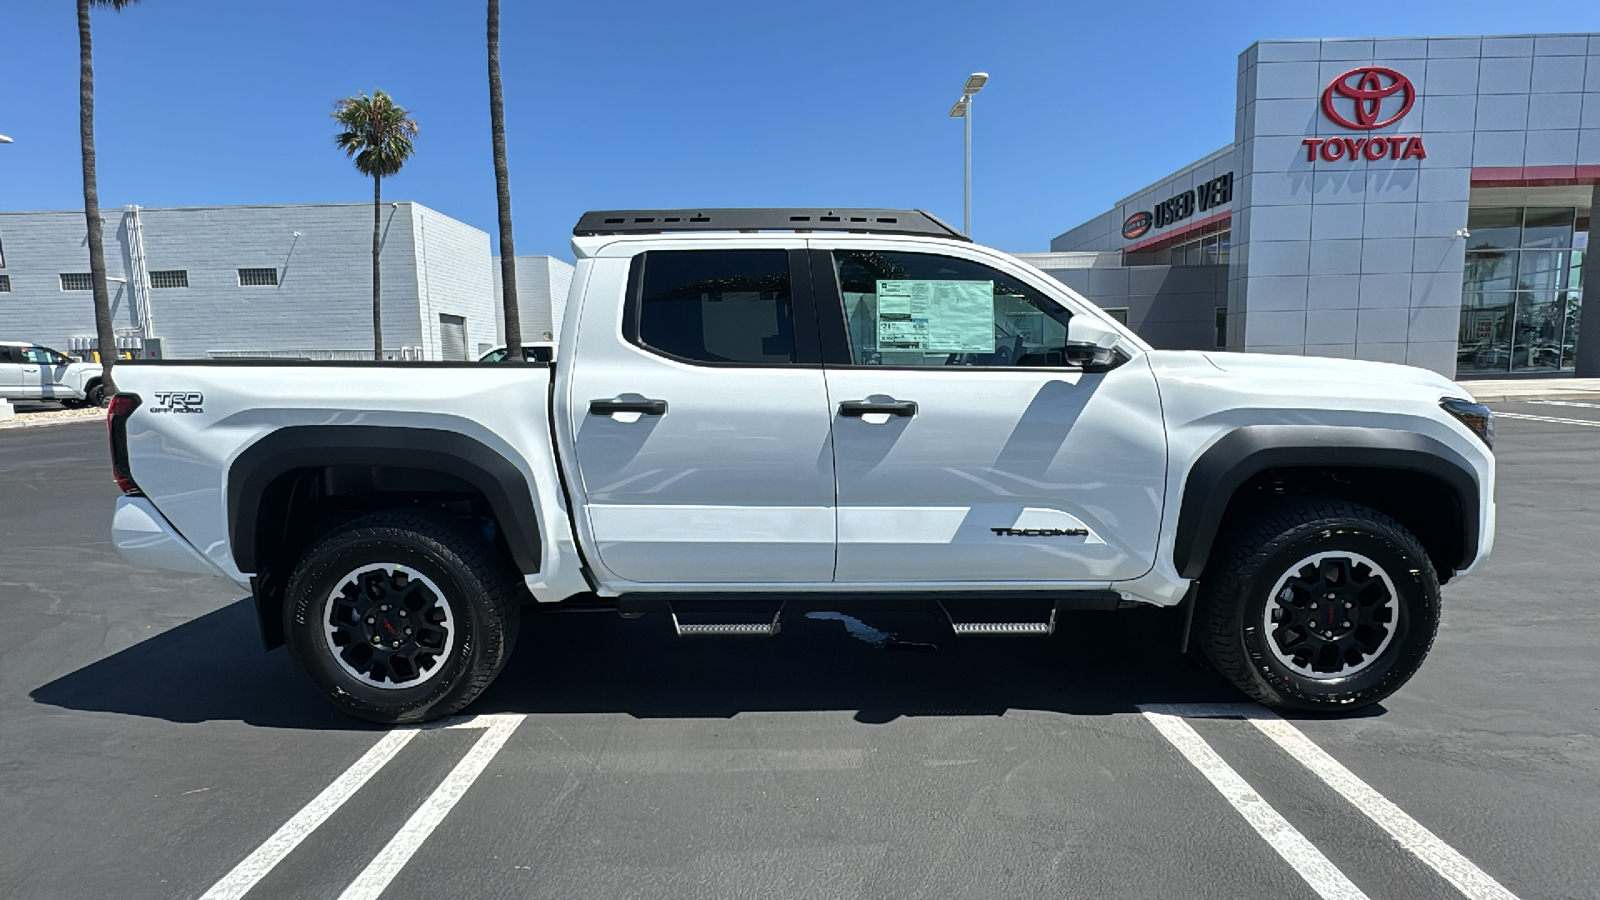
[965, 451]
[10, 372]
[700, 417]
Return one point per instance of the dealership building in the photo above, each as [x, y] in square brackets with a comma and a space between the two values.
[274, 280]
[1413, 200]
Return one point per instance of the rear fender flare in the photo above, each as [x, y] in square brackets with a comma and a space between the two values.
[501, 482]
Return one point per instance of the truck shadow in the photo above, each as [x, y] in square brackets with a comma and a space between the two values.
[212, 668]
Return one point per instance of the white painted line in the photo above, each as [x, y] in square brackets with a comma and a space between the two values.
[1566, 403]
[1470, 880]
[1507, 415]
[1323, 876]
[255, 866]
[389, 861]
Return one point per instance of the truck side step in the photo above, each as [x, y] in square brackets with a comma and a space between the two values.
[1009, 619]
[727, 622]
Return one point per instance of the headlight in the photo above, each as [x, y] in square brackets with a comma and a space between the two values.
[1477, 417]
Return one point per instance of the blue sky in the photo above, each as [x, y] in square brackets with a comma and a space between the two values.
[641, 105]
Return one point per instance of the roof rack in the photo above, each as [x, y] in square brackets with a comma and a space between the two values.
[659, 221]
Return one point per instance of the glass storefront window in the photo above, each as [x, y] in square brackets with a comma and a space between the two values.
[1541, 270]
[1491, 271]
[1521, 289]
[1536, 341]
[1494, 228]
[1547, 228]
[1484, 344]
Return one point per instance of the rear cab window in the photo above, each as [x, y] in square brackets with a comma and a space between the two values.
[717, 307]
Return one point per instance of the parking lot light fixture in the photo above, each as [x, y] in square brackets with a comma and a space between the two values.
[963, 110]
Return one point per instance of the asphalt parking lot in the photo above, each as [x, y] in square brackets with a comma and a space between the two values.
[149, 748]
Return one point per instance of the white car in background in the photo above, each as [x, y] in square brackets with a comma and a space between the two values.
[532, 351]
[33, 372]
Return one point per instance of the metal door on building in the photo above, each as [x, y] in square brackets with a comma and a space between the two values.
[453, 338]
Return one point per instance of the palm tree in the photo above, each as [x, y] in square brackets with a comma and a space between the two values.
[502, 184]
[377, 134]
[91, 191]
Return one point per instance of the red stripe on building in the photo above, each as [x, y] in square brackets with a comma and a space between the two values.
[1534, 176]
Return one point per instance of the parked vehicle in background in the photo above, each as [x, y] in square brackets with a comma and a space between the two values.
[756, 409]
[536, 351]
[35, 372]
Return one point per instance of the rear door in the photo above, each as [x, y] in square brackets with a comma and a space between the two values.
[699, 415]
[965, 451]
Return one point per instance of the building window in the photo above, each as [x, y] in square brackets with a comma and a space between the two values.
[1205, 250]
[258, 277]
[1222, 326]
[1521, 290]
[1120, 313]
[2, 254]
[5, 284]
[77, 281]
[171, 278]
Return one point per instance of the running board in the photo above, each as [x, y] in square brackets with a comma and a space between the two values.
[964, 622]
[726, 624]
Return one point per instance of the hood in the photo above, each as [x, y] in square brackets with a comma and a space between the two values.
[1257, 365]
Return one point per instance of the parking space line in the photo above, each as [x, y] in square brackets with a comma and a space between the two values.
[1565, 403]
[255, 866]
[389, 861]
[1470, 880]
[1317, 871]
[1461, 872]
[1559, 421]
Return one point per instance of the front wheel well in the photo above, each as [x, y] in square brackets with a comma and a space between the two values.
[1423, 504]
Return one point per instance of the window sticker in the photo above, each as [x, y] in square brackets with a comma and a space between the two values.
[936, 316]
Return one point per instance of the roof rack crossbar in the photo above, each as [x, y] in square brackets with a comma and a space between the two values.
[662, 221]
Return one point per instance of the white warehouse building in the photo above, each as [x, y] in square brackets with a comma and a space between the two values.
[274, 280]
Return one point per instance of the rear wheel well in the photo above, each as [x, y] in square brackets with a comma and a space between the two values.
[1425, 505]
[301, 505]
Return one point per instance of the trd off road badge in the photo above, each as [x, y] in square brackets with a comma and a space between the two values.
[179, 402]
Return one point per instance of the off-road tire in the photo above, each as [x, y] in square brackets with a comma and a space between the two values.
[97, 395]
[1263, 546]
[479, 586]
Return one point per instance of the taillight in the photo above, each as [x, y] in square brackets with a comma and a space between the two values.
[122, 406]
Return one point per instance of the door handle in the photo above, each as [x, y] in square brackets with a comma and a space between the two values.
[644, 407]
[858, 408]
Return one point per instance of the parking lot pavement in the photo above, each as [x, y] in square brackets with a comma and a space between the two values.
[149, 748]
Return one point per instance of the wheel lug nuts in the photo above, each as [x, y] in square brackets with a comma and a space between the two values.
[402, 614]
[397, 643]
[384, 608]
[377, 642]
[408, 631]
[1344, 624]
[371, 620]
[1313, 605]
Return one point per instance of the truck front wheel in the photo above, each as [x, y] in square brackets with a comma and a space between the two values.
[401, 616]
[1318, 604]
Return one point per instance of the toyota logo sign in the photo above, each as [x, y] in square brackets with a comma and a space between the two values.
[1363, 91]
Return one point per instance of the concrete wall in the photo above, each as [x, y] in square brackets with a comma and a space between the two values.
[1362, 259]
[322, 253]
[1172, 307]
[542, 286]
[451, 280]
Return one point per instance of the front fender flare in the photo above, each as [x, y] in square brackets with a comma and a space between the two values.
[1248, 451]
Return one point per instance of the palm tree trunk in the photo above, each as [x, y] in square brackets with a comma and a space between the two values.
[91, 200]
[377, 277]
[502, 183]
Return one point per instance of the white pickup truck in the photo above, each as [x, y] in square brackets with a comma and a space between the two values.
[754, 408]
[32, 372]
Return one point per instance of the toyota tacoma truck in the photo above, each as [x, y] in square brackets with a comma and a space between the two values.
[760, 408]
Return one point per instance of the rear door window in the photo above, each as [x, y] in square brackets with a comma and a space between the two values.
[726, 307]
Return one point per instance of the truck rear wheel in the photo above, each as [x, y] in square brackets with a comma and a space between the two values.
[401, 616]
[1318, 604]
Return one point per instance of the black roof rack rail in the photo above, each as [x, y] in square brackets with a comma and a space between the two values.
[660, 221]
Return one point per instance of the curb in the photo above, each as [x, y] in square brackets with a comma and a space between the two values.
[28, 420]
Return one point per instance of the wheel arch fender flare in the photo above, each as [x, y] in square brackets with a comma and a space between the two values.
[502, 483]
[1248, 451]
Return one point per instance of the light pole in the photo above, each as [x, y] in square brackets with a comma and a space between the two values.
[963, 110]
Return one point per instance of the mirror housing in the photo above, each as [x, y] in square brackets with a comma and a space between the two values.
[1091, 345]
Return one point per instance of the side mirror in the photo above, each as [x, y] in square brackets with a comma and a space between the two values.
[1091, 345]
